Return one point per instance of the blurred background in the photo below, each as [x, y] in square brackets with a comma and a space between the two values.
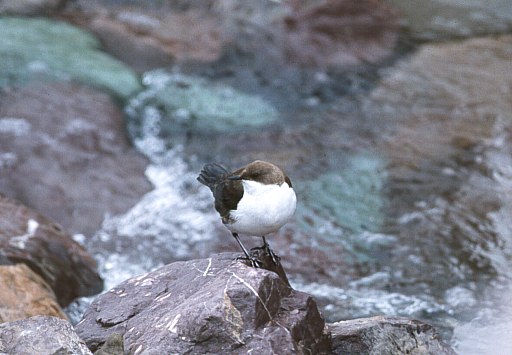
[392, 118]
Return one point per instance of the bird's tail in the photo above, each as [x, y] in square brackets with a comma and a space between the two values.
[211, 174]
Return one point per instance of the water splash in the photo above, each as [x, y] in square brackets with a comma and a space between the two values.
[169, 223]
[364, 301]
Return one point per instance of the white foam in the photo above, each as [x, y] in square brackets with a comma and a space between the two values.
[168, 223]
[14, 126]
[365, 301]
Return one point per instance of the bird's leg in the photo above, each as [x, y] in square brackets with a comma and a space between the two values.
[254, 262]
[266, 247]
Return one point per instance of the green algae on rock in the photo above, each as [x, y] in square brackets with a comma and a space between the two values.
[36, 48]
[351, 198]
[191, 104]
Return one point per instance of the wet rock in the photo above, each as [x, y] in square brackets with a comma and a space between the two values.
[386, 336]
[30, 7]
[214, 305]
[456, 115]
[25, 294]
[341, 33]
[178, 105]
[63, 150]
[357, 184]
[30, 238]
[147, 36]
[40, 335]
[134, 47]
[40, 49]
[336, 33]
[441, 19]
[446, 139]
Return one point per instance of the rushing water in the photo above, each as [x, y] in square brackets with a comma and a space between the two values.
[403, 173]
[403, 176]
[412, 222]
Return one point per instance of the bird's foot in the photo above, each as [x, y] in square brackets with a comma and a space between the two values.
[266, 249]
[275, 258]
[253, 261]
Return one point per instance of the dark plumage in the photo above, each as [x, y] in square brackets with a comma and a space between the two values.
[227, 192]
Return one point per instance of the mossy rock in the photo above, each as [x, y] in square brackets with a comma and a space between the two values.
[179, 103]
[43, 49]
[350, 198]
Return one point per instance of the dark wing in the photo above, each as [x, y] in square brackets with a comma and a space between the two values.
[226, 192]
[212, 174]
[227, 195]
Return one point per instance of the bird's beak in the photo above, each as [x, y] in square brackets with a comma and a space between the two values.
[235, 177]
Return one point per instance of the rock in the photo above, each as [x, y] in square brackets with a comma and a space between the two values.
[214, 305]
[449, 110]
[138, 50]
[27, 295]
[336, 33]
[341, 33]
[444, 19]
[63, 150]
[358, 184]
[30, 238]
[40, 335]
[184, 106]
[30, 7]
[113, 346]
[41, 49]
[148, 36]
[386, 336]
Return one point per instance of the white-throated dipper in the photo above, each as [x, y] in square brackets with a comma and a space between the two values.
[254, 200]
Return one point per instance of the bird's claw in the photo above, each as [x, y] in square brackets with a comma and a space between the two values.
[252, 260]
[275, 258]
[266, 248]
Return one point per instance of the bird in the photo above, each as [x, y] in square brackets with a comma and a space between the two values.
[255, 200]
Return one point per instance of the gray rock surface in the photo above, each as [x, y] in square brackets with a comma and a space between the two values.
[386, 336]
[220, 305]
[113, 346]
[216, 305]
[42, 335]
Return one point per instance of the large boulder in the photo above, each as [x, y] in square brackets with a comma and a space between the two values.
[386, 336]
[64, 151]
[40, 335]
[220, 305]
[30, 238]
[215, 305]
[26, 295]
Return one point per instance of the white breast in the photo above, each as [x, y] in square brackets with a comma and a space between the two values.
[263, 208]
